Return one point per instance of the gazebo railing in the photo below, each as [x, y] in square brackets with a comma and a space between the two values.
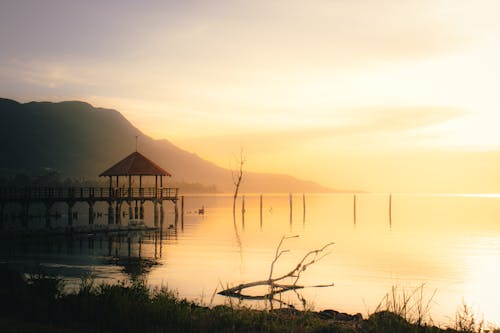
[87, 193]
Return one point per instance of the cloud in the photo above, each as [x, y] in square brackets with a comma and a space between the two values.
[360, 126]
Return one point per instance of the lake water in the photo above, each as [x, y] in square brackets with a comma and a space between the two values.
[449, 244]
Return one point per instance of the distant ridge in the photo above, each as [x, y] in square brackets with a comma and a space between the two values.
[80, 140]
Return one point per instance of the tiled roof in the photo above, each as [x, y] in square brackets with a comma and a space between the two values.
[135, 164]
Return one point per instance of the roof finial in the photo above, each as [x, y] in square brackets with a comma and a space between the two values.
[137, 136]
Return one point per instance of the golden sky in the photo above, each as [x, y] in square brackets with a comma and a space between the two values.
[379, 95]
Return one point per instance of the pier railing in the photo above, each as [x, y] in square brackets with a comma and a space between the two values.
[87, 193]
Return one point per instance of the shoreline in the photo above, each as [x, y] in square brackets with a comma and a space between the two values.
[39, 304]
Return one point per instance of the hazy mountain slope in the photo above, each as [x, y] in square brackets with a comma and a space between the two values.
[81, 141]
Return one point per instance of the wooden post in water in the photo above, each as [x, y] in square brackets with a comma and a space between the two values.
[291, 207]
[390, 209]
[354, 207]
[176, 212]
[260, 205]
[303, 208]
[182, 211]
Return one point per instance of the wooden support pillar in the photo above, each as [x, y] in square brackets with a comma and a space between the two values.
[161, 213]
[91, 212]
[136, 211]
[111, 218]
[176, 211]
[110, 245]
[140, 185]
[118, 216]
[141, 211]
[129, 186]
[155, 213]
[130, 213]
[140, 247]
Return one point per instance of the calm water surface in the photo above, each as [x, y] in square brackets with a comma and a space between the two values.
[449, 243]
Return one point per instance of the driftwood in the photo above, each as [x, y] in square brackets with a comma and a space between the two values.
[276, 284]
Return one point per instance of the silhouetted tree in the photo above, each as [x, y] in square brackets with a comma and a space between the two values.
[237, 178]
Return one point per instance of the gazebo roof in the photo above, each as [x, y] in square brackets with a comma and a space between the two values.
[135, 164]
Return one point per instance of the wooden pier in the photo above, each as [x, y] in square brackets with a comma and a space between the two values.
[115, 195]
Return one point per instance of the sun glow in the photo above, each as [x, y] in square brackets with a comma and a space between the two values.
[481, 287]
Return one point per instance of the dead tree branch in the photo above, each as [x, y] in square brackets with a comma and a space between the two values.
[237, 178]
[276, 287]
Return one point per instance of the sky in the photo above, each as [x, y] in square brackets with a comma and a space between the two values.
[382, 95]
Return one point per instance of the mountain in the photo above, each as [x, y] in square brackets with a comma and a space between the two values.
[79, 140]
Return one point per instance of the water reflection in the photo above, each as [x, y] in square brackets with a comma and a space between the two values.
[450, 243]
[134, 254]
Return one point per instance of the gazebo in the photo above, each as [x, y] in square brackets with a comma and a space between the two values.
[135, 165]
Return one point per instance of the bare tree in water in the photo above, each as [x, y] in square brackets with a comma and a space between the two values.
[237, 178]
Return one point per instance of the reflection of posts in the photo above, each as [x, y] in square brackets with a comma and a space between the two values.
[25, 218]
[48, 205]
[70, 213]
[91, 212]
[155, 213]
[1, 215]
[110, 213]
[243, 211]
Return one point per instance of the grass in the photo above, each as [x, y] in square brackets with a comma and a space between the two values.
[39, 304]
